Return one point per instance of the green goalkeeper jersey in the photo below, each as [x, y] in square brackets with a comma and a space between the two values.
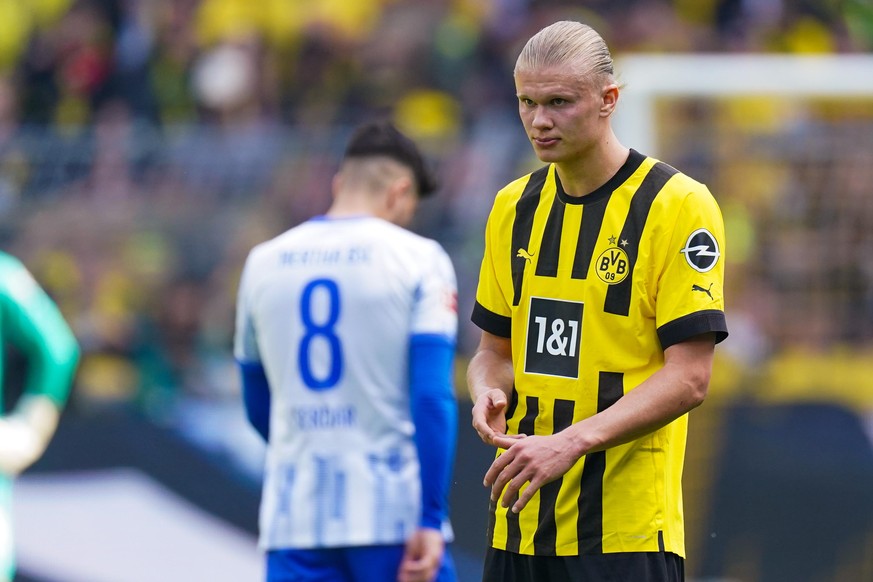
[30, 321]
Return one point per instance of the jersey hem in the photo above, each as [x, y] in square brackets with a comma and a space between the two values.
[679, 330]
[491, 322]
[620, 545]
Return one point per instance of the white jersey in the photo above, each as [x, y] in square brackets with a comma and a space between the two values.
[328, 309]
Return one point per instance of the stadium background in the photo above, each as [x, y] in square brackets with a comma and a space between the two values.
[146, 145]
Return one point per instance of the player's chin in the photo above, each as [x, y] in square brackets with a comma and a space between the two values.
[551, 153]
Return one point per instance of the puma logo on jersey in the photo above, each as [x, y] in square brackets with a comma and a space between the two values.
[702, 290]
[524, 255]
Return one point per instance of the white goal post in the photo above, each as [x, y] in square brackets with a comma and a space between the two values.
[648, 77]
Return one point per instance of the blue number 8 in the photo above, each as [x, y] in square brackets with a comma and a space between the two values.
[324, 330]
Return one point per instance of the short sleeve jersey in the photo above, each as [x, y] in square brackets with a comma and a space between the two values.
[31, 321]
[328, 308]
[592, 290]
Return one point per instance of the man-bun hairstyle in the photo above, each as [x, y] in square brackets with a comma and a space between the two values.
[381, 138]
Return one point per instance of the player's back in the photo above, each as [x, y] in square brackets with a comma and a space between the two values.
[332, 304]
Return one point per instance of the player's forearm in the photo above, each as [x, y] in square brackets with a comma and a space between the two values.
[490, 368]
[26, 432]
[680, 386]
[435, 415]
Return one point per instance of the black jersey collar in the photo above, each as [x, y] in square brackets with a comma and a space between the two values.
[634, 160]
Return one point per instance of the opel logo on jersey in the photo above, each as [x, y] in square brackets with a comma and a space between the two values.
[701, 250]
[612, 265]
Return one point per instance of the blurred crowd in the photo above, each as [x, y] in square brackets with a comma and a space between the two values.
[146, 145]
[437, 63]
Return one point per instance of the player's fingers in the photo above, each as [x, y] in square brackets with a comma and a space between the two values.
[496, 468]
[485, 432]
[420, 570]
[506, 478]
[510, 493]
[496, 400]
[525, 496]
[513, 487]
[480, 421]
[505, 441]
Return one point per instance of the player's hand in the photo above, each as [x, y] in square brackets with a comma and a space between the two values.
[489, 416]
[535, 460]
[423, 556]
[25, 433]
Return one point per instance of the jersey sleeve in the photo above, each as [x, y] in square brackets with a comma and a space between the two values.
[691, 287]
[432, 346]
[491, 311]
[245, 346]
[32, 322]
[435, 310]
[435, 415]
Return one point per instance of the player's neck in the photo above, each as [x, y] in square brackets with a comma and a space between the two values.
[345, 206]
[587, 173]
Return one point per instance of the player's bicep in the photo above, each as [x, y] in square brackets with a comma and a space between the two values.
[691, 286]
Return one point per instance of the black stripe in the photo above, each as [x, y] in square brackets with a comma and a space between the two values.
[589, 230]
[499, 325]
[550, 247]
[593, 209]
[547, 529]
[525, 209]
[634, 160]
[660, 540]
[618, 296]
[525, 426]
[589, 529]
[492, 519]
[513, 404]
[679, 330]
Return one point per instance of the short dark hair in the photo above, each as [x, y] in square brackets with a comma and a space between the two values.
[381, 138]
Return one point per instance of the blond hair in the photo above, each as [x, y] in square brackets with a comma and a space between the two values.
[570, 44]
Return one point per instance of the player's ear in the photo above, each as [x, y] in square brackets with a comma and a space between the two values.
[402, 200]
[609, 99]
[400, 188]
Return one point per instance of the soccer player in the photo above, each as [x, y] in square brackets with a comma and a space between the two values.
[600, 303]
[30, 321]
[346, 330]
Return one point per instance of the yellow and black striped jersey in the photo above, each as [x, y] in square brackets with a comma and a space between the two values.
[592, 290]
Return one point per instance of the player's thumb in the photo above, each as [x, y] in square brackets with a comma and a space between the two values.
[497, 399]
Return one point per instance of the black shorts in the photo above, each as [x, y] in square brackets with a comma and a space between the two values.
[502, 566]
